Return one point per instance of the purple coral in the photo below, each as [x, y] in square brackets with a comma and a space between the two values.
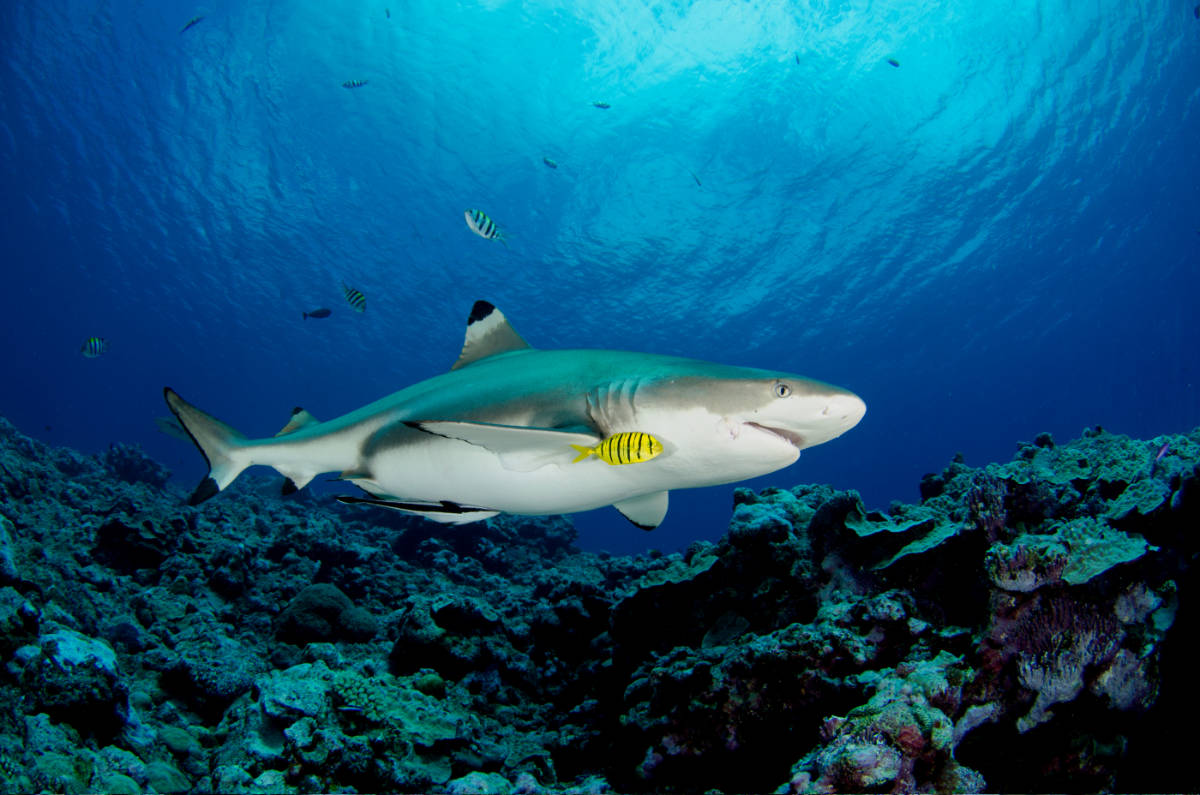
[1056, 643]
[985, 505]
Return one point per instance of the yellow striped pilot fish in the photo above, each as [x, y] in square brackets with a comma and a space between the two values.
[628, 447]
[356, 299]
[93, 347]
[483, 226]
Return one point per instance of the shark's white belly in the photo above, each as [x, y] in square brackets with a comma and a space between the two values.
[440, 469]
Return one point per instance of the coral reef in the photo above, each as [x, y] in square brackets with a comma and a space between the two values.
[1020, 628]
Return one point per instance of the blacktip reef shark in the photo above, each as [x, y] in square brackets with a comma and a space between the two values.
[497, 433]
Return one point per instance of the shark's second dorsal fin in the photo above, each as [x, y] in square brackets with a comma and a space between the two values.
[488, 333]
[299, 419]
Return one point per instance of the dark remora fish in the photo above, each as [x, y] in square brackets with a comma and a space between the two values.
[354, 84]
[191, 24]
[318, 313]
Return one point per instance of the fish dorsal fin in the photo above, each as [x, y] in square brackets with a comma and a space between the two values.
[488, 333]
[300, 419]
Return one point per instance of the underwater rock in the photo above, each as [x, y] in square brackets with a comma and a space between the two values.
[129, 463]
[74, 678]
[322, 612]
[1010, 632]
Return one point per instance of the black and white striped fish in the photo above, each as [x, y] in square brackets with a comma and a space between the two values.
[482, 225]
[354, 84]
[93, 347]
[357, 301]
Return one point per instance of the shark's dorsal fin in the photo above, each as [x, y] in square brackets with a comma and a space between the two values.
[488, 333]
[300, 419]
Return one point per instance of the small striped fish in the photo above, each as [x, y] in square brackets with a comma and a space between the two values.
[483, 226]
[354, 84]
[628, 447]
[356, 299]
[93, 347]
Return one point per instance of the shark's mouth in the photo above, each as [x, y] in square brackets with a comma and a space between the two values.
[791, 437]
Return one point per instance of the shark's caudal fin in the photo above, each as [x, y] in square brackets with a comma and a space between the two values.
[217, 441]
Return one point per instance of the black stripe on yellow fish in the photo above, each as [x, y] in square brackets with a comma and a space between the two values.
[627, 447]
[357, 301]
[93, 347]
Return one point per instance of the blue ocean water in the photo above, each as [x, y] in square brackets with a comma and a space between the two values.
[984, 218]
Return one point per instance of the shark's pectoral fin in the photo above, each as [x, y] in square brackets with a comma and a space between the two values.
[519, 449]
[646, 511]
[444, 511]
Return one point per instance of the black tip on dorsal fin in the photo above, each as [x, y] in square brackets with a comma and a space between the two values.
[488, 333]
[481, 310]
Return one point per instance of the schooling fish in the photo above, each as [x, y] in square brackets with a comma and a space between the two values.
[319, 313]
[191, 24]
[354, 84]
[627, 447]
[356, 299]
[549, 162]
[601, 105]
[483, 226]
[93, 347]
[894, 62]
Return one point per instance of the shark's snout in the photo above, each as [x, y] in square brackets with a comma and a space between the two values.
[847, 408]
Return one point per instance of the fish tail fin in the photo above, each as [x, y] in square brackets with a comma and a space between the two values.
[584, 452]
[305, 315]
[217, 442]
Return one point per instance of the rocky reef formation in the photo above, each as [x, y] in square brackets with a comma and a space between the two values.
[1021, 628]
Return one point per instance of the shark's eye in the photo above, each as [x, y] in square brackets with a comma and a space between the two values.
[782, 390]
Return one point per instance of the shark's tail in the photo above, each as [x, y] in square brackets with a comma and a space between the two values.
[218, 442]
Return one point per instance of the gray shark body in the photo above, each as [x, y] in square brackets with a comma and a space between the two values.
[495, 434]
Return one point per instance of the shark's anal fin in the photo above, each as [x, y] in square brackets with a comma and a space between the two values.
[488, 333]
[646, 511]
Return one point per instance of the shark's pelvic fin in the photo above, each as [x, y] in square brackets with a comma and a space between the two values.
[646, 511]
[488, 333]
[299, 419]
[520, 449]
[218, 443]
